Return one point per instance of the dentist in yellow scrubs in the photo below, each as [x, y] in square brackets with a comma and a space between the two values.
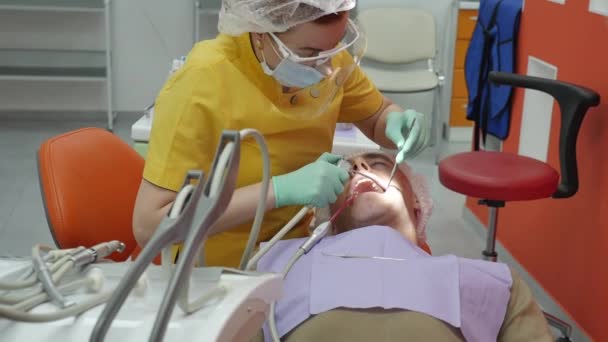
[288, 68]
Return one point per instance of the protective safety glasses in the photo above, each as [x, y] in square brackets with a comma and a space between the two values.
[351, 36]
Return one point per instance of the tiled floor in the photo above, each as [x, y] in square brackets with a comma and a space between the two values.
[22, 218]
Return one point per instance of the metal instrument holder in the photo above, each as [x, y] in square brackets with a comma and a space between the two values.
[192, 226]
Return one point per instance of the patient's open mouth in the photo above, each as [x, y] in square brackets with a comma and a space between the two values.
[366, 185]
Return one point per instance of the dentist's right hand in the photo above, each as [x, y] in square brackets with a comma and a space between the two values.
[317, 184]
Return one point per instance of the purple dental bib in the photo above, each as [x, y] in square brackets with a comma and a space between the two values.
[375, 267]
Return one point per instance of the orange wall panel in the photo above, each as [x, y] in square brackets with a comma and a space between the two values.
[459, 85]
[460, 53]
[459, 113]
[466, 24]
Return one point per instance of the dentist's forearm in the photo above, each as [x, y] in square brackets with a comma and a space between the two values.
[153, 203]
[243, 206]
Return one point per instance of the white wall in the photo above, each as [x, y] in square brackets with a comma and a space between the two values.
[147, 35]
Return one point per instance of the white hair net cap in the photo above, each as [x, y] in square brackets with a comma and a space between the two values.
[423, 195]
[261, 16]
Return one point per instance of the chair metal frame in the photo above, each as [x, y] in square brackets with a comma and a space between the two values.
[574, 102]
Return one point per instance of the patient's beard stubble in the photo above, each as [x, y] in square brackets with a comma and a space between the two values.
[360, 216]
[377, 213]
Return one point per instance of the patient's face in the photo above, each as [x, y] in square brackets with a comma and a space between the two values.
[396, 207]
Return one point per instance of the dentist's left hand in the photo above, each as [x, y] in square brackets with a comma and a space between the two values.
[317, 184]
[409, 132]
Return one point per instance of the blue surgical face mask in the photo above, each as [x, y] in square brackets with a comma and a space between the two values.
[292, 74]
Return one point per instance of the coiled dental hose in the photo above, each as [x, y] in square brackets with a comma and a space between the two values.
[41, 280]
[93, 281]
[261, 209]
[223, 159]
[278, 236]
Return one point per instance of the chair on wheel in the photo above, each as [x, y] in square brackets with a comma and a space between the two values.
[499, 177]
[89, 179]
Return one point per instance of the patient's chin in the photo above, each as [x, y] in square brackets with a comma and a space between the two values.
[372, 207]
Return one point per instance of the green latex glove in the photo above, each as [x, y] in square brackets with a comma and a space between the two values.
[409, 131]
[317, 184]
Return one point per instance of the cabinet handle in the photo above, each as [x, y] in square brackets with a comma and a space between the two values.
[474, 18]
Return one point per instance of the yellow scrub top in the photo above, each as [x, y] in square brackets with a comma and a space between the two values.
[222, 86]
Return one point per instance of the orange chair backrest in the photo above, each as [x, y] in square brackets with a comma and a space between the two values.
[89, 179]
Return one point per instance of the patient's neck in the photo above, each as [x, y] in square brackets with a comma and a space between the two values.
[401, 223]
[397, 219]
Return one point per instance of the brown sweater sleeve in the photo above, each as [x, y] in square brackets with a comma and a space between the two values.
[524, 320]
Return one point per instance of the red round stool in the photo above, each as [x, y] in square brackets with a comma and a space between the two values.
[499, 177]
[496, 175]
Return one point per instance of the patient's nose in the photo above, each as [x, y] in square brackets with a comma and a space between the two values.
[360, 165]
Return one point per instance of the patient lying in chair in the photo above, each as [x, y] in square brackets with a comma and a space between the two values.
[373, 280]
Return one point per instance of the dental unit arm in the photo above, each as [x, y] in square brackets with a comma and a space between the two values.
[233, 301]
[208, 200]
[221, 185]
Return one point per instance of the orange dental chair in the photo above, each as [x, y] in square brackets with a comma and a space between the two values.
[89, 179]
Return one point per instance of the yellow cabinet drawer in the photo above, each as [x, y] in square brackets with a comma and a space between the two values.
[458, 117]
[466, 23]
[461, 53]
[459, 86]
